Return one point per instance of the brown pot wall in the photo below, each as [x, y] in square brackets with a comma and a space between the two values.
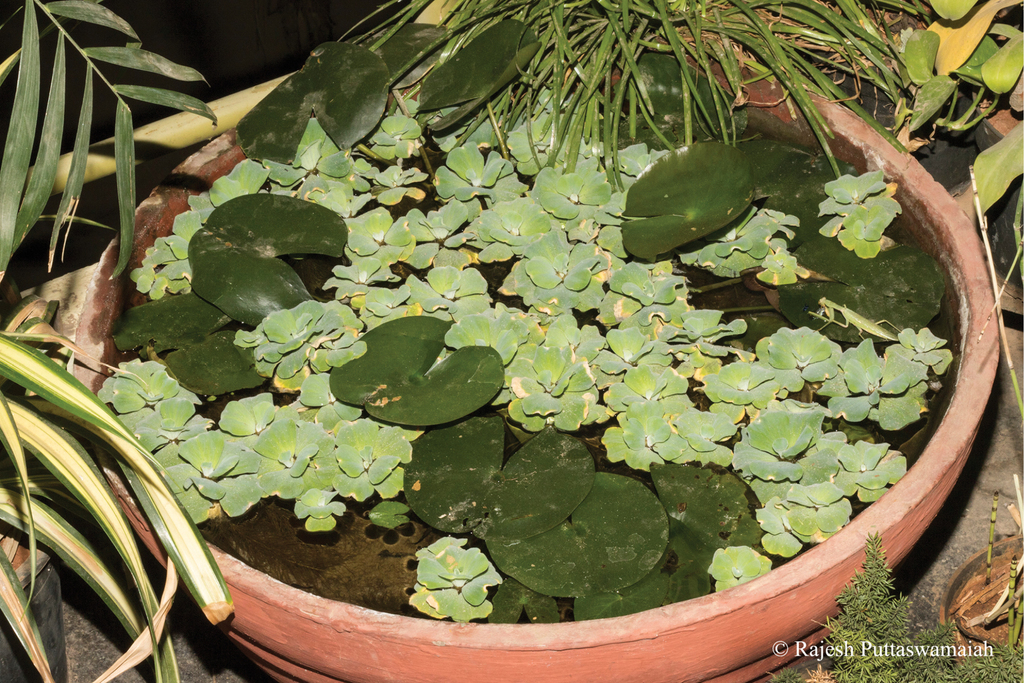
[725, 637]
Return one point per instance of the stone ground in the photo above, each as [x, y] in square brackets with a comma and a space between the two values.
[205, 655]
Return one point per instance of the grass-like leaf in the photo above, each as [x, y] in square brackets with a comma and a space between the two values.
[92, 13]
[143, 60]
[20, 138]
[167, 98]
[66, 396]
[45, 169]
[76, 174]
[124, 159]
[14, 606]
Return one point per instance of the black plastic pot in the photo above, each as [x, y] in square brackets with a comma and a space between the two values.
[15, 666]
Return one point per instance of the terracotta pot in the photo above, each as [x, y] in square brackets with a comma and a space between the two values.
[737, 635]
[967, 595]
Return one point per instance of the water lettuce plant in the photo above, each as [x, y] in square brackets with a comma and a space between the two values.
[522, 361]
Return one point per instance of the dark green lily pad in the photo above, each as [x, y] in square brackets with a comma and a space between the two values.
[648, 237]
[215, 366]
[402, 48]
[456, 481]
[234, 264]
[902, 285]
[478, 70]
[713, 506]
[688, 572]
[647, 593]
[344, 85]
[397, 380]
[513, 598]
[693, 192]
[793, 180]
[613, 539]
[662, 78]
[172, 322]
[709, 510]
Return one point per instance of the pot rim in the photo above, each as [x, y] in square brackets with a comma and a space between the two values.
[964, 267]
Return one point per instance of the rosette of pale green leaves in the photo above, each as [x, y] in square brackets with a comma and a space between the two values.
[890, 391]
[868, 469]
[530, 141]
[319, 509]
[165, 268]
[173, 421]
[466, 174]
[397, 137]
[139, 388]
[806, 514]
[799, 355]
[376, 234]
[351, 283]
[573, 197]
[211, 470]
[634, 160]
[321, 167]
[862, 208]
[750, 386]
[292, 343]
[629, 348]
[692, 338]
[925, 348]
[645, 436]
[380, 305]
[703, 432]
[452, 581]
[247, 418]
[393, 184]
[772, 444]
[554, 279]
[650, 383]
[508, 228]
[646, 296]
[316, 394]
[298, 456]
[737, 564]
[747, 245]
[435, 233]
[369, 456]
[450, 293]
[551, 386]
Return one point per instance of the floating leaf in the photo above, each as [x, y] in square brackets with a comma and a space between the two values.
[708, 511]
[389, 514]
[705, 186]
[215, 366]
[399, 380]
[344, 85]
[478, 70]
[902, 285]
[234, 264]
[645, 594]
[457, 482]
[613, 539]
[172, 322]
[513, 598]
[792, 179]
[403, 47]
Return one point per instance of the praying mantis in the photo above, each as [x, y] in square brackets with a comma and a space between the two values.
[828, 311]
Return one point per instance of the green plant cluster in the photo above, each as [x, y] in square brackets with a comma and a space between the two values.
[518, 293]
[870, 612]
